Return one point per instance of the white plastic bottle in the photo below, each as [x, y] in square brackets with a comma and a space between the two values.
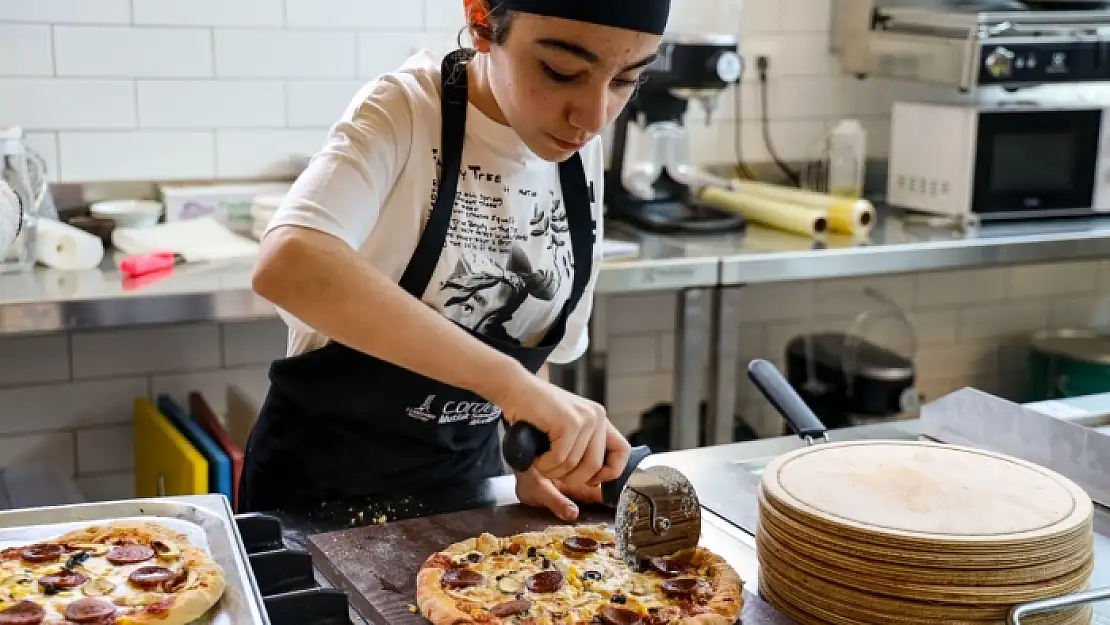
[847, 157]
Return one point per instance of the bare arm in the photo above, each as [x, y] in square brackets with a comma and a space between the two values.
[322, 281]
[545, 372]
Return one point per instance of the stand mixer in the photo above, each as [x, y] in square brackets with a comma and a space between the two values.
[650, 186]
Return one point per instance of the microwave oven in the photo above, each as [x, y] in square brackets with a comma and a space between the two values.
[1002, 161]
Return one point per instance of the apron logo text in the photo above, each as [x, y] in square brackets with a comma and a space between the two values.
[469, 412]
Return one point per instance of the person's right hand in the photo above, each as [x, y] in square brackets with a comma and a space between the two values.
[586, 449]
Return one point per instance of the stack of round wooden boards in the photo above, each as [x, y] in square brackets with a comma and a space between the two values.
[919, 532]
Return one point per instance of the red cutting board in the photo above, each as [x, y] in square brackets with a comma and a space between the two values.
[203, 415]
[377, 565]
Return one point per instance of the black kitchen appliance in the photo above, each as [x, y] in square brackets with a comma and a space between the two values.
[648, 185]
[847, 380]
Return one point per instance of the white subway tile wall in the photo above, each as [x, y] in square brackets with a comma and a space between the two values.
[137, 89]
[164, 89]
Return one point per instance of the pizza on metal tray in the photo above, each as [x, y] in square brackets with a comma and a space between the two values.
[120, 573]
[572, 574]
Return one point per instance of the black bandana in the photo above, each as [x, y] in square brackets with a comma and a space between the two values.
[649, 16]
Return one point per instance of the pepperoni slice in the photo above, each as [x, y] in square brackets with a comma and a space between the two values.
[151, 576]
[462, 578]
[668, 567]
[510, 608]
[22, 613]
[580, 544]
[129, 554]
[62, 580]
[613, 615]
[41, 553]
[545, 581]
[681, 586]
[89, 610]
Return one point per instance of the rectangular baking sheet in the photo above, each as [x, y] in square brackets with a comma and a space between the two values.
[206, 520]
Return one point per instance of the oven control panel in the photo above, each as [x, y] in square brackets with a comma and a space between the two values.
[1041, 62]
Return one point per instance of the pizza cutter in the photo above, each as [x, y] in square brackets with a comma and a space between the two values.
[657, 509]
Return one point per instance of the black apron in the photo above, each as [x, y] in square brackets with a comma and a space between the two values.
[340, 424]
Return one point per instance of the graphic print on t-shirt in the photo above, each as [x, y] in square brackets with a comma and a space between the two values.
[501, 260]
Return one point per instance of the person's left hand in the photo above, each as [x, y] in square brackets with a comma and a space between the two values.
[535, 490]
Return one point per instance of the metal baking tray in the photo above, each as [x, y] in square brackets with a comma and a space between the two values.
[206, 519]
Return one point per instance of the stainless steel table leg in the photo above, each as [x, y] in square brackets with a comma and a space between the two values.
[691, 351]
[725, 350]
[594, 364]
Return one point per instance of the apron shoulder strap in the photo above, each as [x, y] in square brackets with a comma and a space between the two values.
[578, 198]
[454, 102]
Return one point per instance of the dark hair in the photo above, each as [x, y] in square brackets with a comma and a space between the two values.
[496, 28]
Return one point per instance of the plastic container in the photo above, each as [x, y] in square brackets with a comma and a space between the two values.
[847, 156]
[1068, 363]
[229, 204]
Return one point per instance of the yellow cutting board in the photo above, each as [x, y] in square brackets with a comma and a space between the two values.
[166, 463]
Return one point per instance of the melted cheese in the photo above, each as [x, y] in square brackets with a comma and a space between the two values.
[97, 569]
[580, 596]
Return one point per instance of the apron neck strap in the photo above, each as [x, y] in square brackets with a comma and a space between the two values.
[454, 103]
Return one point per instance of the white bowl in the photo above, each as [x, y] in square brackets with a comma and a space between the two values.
[128, 213]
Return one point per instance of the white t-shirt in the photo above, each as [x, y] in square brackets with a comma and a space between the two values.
[506, 264]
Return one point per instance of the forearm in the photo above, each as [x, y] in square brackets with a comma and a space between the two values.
[545, 372]
[326, 284]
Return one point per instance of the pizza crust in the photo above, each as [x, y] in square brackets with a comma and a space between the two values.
[442, 608]
[206, 580]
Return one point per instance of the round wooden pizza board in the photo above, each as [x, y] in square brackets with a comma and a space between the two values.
[919, 532]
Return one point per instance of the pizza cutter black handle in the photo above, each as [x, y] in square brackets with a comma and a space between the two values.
[785, 399]
[524, 442]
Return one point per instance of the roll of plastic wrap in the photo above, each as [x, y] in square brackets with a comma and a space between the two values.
[61, 246]
[775, 214]
[846, 216]
[11, 216]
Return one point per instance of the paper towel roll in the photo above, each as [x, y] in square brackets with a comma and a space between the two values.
[62, 246]
[11, 217]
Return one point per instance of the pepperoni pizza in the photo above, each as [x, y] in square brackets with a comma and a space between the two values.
[122, 573]
[574, 575]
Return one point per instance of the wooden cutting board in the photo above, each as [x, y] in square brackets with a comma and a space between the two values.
[377, 565]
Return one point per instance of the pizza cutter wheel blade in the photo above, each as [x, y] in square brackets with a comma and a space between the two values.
[658, 514]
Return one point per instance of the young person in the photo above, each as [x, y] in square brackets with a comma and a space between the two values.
[438, 252]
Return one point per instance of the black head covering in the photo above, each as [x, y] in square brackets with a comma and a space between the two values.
[649, 16]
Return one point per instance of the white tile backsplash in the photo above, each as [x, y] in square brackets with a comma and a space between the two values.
[55, 450]
[146, 155]
[211, 104]
[265, 153]
[344, 14]
[243, 13]
[318, 104]
[33, 360]
[51, 104]
[66, 11]
[112, 353]
[65, 406]
[320, 54]
[127, 52]
[194, 62]
[104, 450]
[26, 50]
